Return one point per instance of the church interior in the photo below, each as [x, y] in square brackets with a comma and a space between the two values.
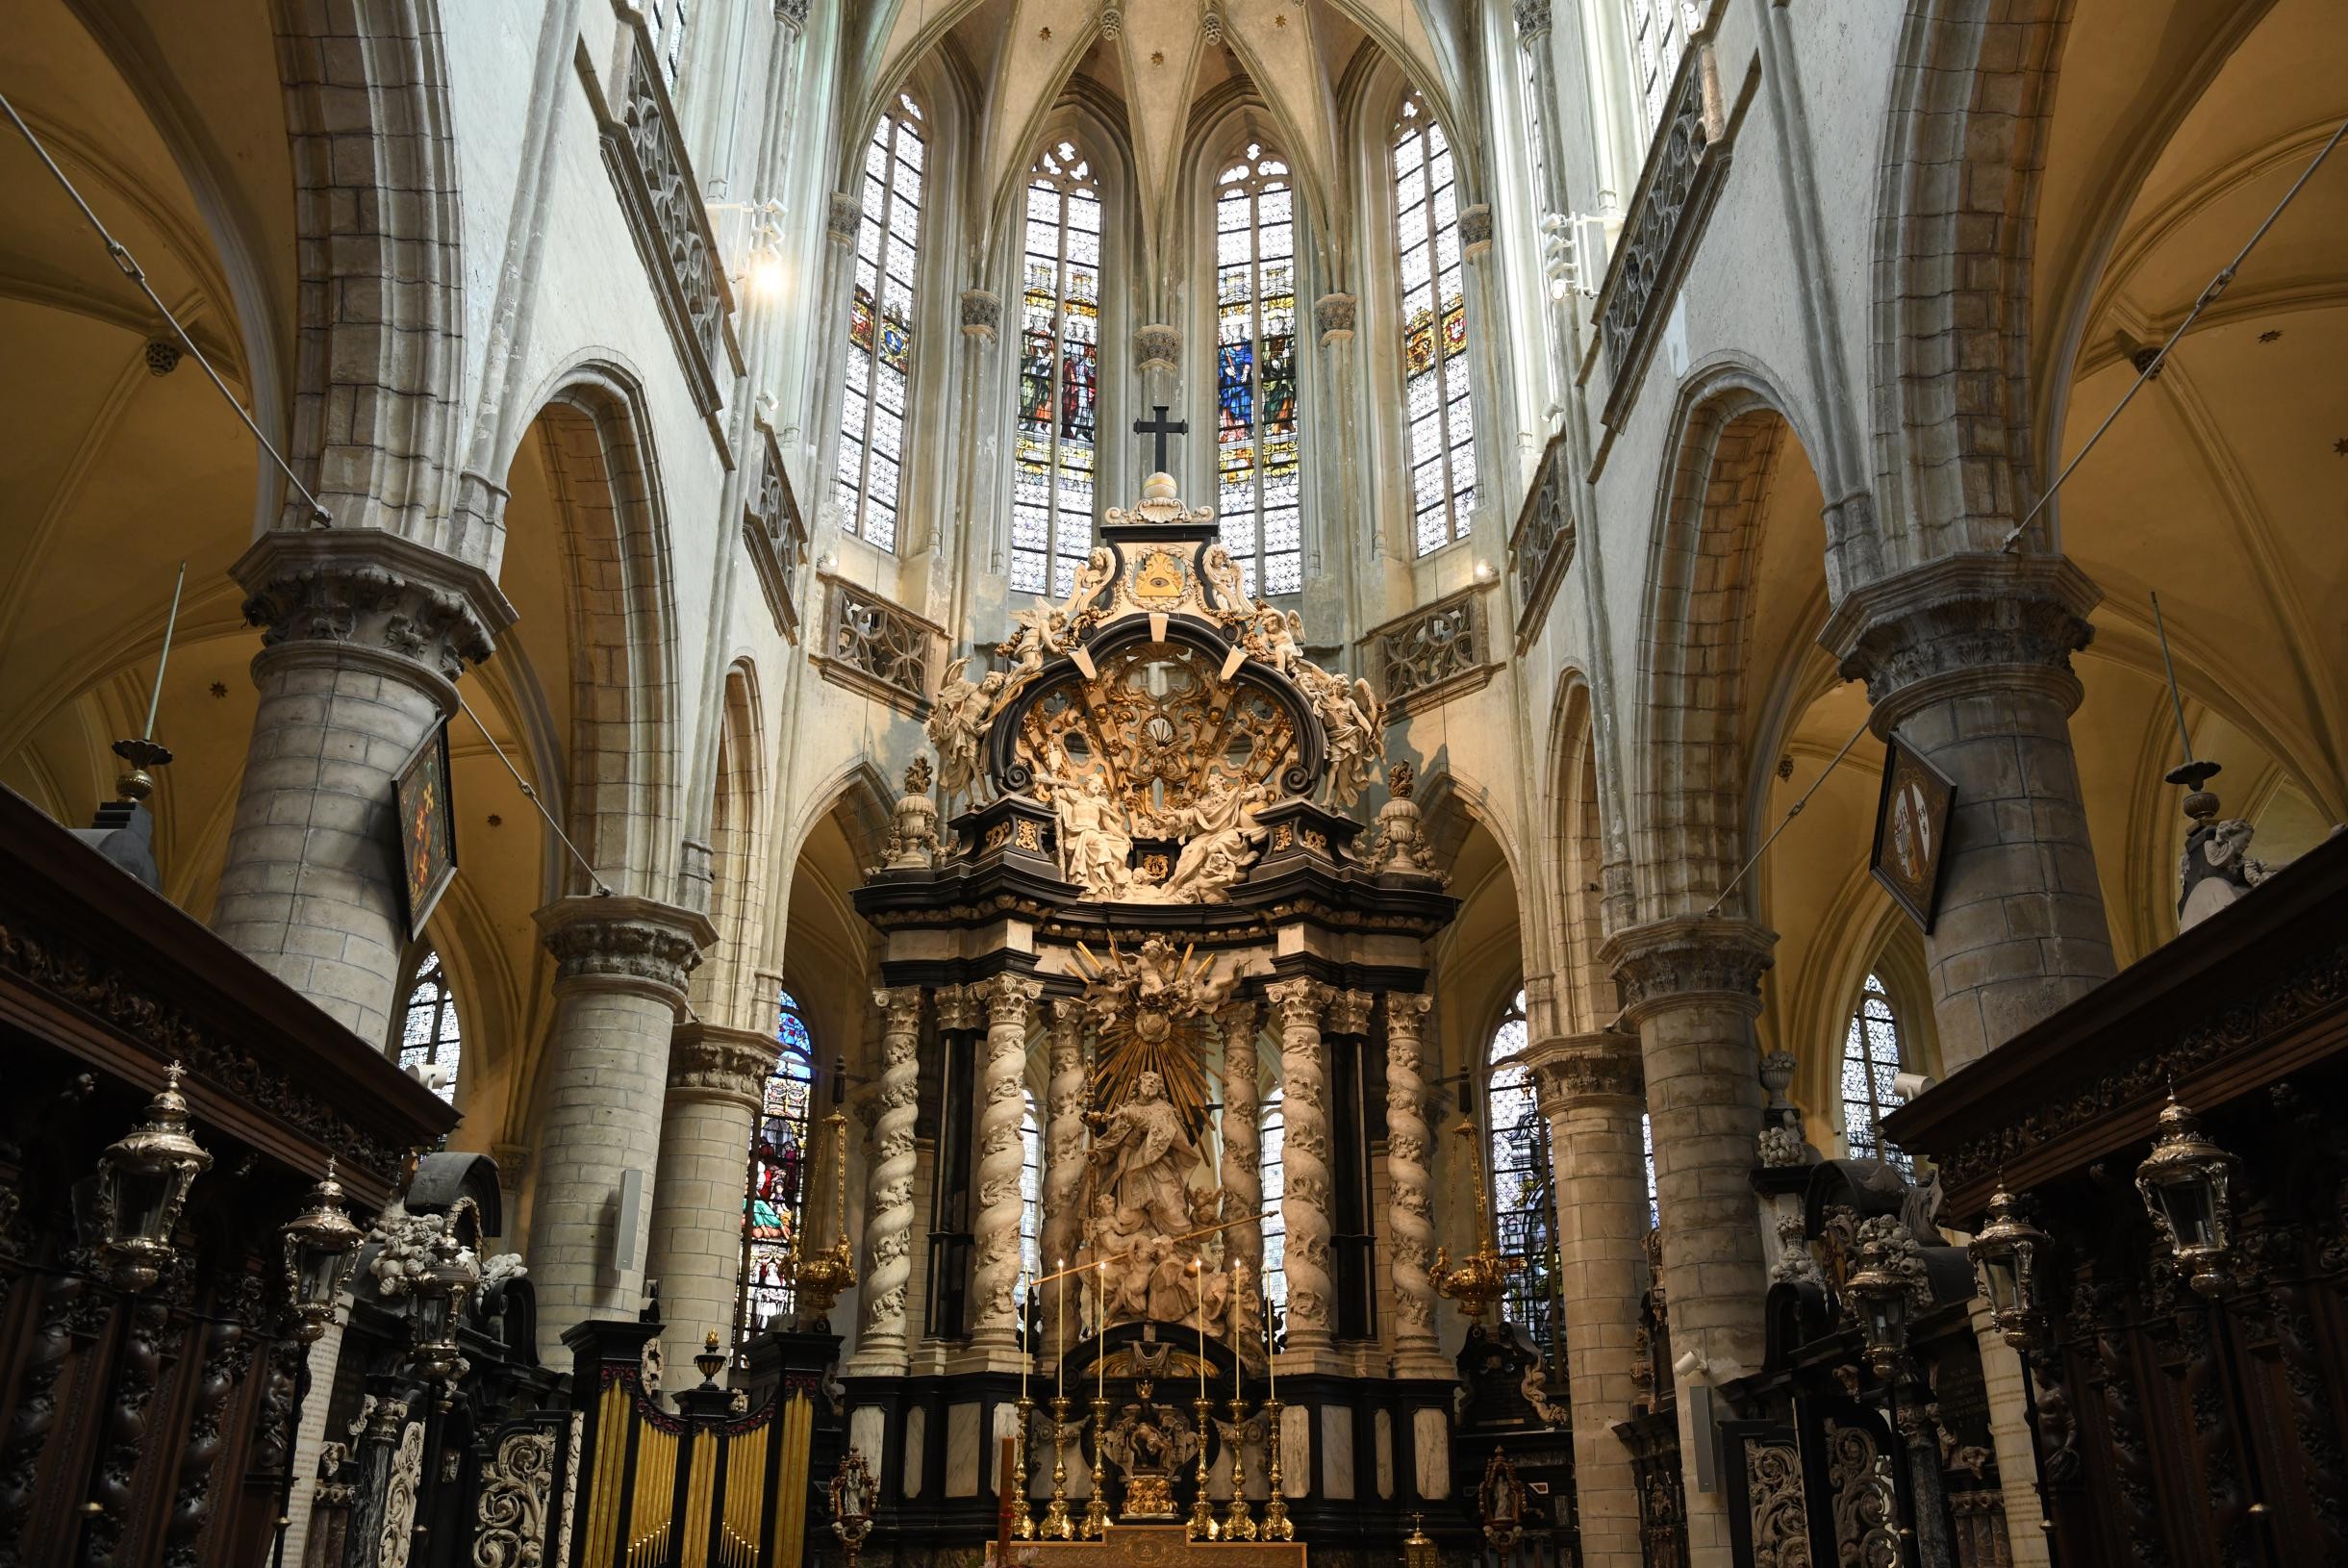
[1550, 784]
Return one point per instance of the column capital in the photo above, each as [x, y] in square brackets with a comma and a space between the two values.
[709, 1062]
[1406, 1014]
[1963, 622]
[1582, 1069]
[843, 218]
[959, 1007]
[1237, 1020]
[1298, 1000]
[901, 1006]
[364, 592]
[1066, 1012]
[1474, 230]
[1717, 959]
[1333, 317]
[624, 942]
[1158, 347]
[1349, 1011]
[982, 313]
[1531, 20]
[1008, 996]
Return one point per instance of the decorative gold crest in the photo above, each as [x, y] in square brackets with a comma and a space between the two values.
[1160, 579]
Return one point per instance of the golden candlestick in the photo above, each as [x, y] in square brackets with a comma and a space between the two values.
[1096, 1507]
[1024, 1529]
[1239, 1522]
[1057, 1526]
[1276, 1527]
[1202, 1526]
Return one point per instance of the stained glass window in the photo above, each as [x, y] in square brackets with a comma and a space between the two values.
[431, 1041]
[1059, 376]
[1275, 1186]
[1523, 1202]
[778, 1198]
[873, 405]
[1647, 1149]
[1257, 474]
[1870, 1060]
[1659, 31]
[1031, 1190]
[1439, 421]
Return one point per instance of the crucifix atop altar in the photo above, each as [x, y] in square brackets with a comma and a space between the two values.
[1160, 427]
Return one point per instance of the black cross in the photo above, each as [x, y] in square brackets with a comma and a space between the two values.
[1161, 427]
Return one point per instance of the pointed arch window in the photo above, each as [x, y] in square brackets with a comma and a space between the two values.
[1523, 1200]
[431, 1037]
[1053, 473]
[1272, 1140]
[1259, 478]
[1870, 1060]
[777, 1198]
[1659, 31]
[1647, 1153]
[870, 470]
[665, 24]
[1439, 417]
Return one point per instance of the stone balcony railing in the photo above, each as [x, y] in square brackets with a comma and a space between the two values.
[872, 646]
[1667, 214]
[645, 152]
[1437, 653]
[1542, 547]
[775, 535]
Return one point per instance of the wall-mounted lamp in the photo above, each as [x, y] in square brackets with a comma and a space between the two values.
[2187, 1184]
[2005, 1258]
[321, 1247]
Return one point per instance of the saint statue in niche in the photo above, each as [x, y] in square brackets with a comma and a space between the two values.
[1142, 1159]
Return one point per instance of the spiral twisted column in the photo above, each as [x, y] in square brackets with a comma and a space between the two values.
[1304, 1157]
[1063, 1142]
[888, 1227]
[1243, 1145]
[1410, 1216]
[1009, 999]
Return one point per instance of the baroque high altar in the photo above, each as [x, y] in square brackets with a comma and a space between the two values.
[1148, 877]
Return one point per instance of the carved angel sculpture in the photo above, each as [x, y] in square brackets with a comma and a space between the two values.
[1100, 569]
[1042, 630]
[957, 725]
[1222, 575]
[1356, 732]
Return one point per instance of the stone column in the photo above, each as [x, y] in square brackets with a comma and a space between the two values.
[1691, 985]
[1304, 1162]
[1242, 1144]
[1410, 1217]
[620, 983]
[1063, 1149]
[888, 1227]
[1968, 662]
[365, 634]
[1592, 1092]
[995, 1277]
[716, 1079]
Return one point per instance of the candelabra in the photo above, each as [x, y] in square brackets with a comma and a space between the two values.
[1057, 1526]
[1096, 1507]
[1276, 1527]
[1239, 1524]
[1024, 1529]
[1202, 1526]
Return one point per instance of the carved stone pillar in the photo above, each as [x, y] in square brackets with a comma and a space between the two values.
[995, 1281]
[1968, 662]
[365, 634]
[1591, 1090]
[1243, 1145]
[1410, 1218]
[1063, 1147]
[1304, 1162]
[888, 1226]
[1692, 987]
[717, 1078]
[622, 963]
